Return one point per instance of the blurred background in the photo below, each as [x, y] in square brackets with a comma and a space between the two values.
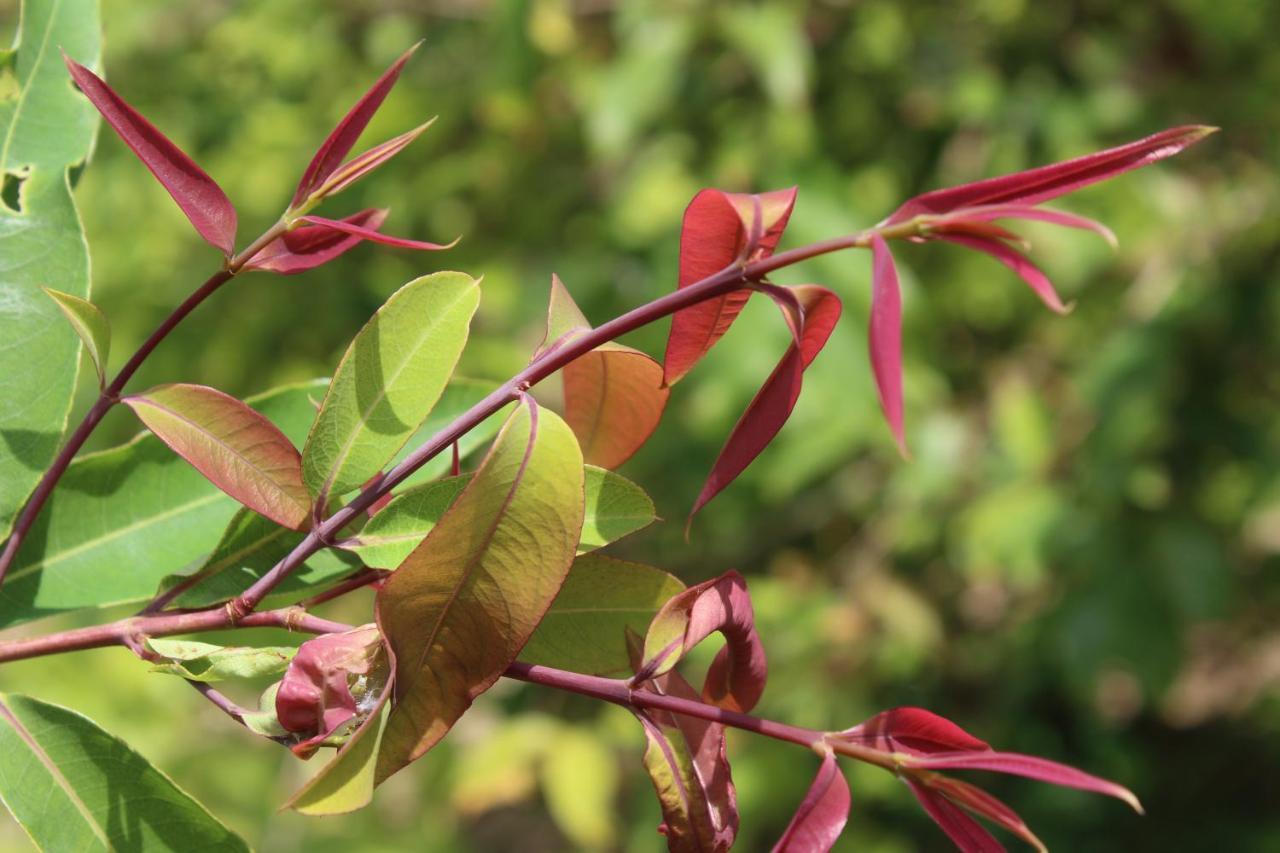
[1081, 559]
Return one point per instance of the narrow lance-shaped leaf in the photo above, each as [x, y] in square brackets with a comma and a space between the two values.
[346, 226]
[736, 677]
[884, 337]
[201, 199]
[1046, 182]
[812, 313]
[1016, 261]
[613, 396]
[209, 662]
[968, 835]
[387, 382]
[460, 608]
[602, 599]
[822, 814]
[72, 786]
[239, 450]
[90, 324]
[362, 164]
[1031, 767]
[987, 213]
[911, 730]
[980, 803]
[343, 137]
[309, 246]
[717, 231]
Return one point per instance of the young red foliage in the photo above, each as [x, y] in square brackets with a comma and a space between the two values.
[967, 834]
[981, 803]
[197, 194]
[884, 337]
[911, 730]
[315, 698]
[720, 229]
[1029, 766]
[362, 164]
[822, 814]
[346, 226]
[1016, 261]
[310, 246]
[811, 312]
[343, 137]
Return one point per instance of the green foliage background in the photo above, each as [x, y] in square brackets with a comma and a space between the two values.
[1081, 560]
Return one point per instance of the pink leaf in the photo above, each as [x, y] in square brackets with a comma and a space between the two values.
[717, 231]
[1016, 261]
[201, 199]
[736, 677]
[315, 697]
[362, 164]
[1037, 185]
[1022, 211]
[982, 804]
[344, 136]
[812, 316]
[236, 448]
[884, 337]
[822, 814]
[1016, 764]
[967, 833]
[311, 246]
[363, 233]
[914, 731]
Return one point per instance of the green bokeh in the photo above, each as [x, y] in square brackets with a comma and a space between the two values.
[1080, 561]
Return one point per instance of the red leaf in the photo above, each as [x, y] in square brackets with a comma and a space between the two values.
[822, 814]
[1016, 261]
[736, 677]
[315, 694]
[914, 731]
[344, 136]
[967, 833]
[812, 314]
[1016, 764]
[884, 337]
[1022, 211]
[375, 236]
[717, 231]
[310, 246]
[1037, 185]
[982, 804]
[362, 164]
[201, 199]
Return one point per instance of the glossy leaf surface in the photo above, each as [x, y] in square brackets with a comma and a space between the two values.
[46, 129]
[967, 834]
[198, 195]
[386, 384]
[884, 337]
[90, 324]
[236, 448]
[822, 814]
[309, 246]
[459, 609]
[72, 786]
[346, 226]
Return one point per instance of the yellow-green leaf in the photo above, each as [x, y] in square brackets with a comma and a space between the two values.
[90, 324]
[209, 662]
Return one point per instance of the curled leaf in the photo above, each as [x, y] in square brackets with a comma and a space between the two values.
[812, 312]
[237, 449]
[719, 229]
[208, 662]
[199, 196]
[315, 698]
[90, 324]
[736, 677]
[343, 137]
[310, 246]
[884, 337]
[822, 814]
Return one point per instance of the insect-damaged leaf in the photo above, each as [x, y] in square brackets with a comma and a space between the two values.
[737, 676]
[90, 324]
[811, 312]
[343, 137]
[822, 814]
[46, 130]
[884, 337]
[309, 246]
[1036, 185]
[602, 598]
[720, 229]
[208, 662]
[239, 450]
[613, 395]
[199, 196]
[329, 683]
[387, 382]
[459, 609]
[73, 786]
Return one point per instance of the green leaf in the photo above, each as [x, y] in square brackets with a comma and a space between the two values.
[685, 811]
[239, 450]
[461, 606]
[90, 324]
[209, 662]
[585, 629]
[461, 395]
[72, 786]
[388, 381]
[615, 506]
[122, 519]
[249, 547]
[46, 127]
[346, 783]
[264, 720]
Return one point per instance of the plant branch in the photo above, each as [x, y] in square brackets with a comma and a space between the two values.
[111, 393]
[130, 631]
